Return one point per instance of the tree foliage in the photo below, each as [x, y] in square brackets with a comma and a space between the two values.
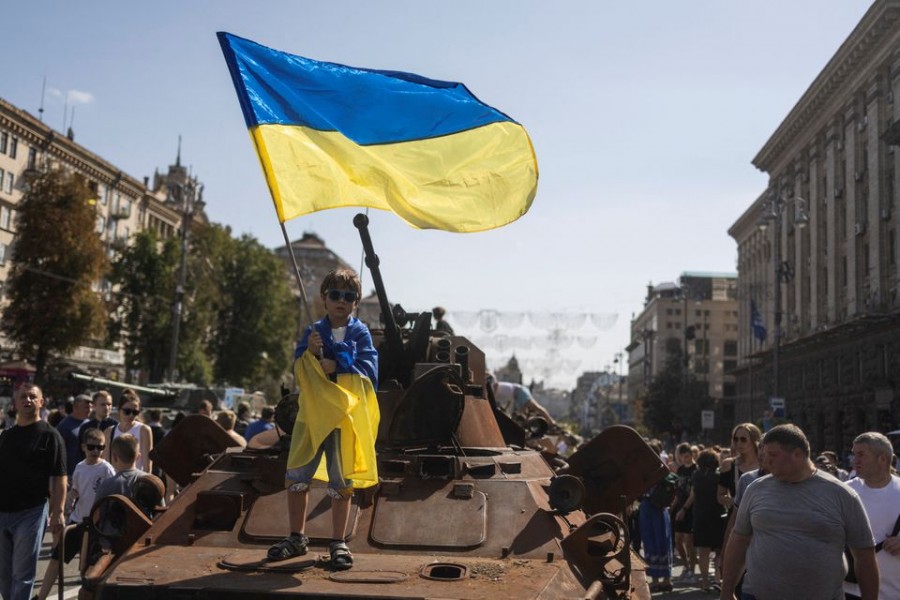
[57, 258]
[144, 275]
[675, 398]
[256, 325]
[237, 317]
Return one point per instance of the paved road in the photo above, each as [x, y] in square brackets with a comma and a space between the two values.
[685, 591]
[72, 581]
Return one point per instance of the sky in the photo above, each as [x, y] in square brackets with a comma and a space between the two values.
[644, 116]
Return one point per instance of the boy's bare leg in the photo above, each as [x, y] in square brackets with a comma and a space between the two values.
[340, 515]
[297, 504]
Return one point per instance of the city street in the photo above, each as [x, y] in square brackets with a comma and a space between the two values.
[685, 591]
[72, 578]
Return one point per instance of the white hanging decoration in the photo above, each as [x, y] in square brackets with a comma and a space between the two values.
[572, 320]
[604, 321]
[488, 320]
[587, 341]
[466, 319]
[511, 320]
[543, 320]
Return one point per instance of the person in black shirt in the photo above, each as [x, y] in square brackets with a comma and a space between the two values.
[33, 467]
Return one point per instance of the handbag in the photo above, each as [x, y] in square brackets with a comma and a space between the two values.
[851, 567]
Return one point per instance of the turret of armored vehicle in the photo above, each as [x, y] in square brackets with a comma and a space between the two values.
[464, 509]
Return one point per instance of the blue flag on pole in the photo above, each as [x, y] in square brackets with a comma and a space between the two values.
[756, 323]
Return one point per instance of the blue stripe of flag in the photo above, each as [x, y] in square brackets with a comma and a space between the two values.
[367, 106]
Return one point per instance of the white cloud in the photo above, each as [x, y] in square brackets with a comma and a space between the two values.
[72, 97]
[79, 97]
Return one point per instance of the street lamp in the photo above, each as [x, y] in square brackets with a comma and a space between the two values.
[620, 360]
[773, 212]
[190, 195]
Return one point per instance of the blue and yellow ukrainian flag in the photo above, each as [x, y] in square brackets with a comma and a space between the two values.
[331, 136]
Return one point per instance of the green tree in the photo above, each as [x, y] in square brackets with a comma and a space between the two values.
[237, 318]
[57, 258]
[255, 322]
[675, 398]
[144, 275]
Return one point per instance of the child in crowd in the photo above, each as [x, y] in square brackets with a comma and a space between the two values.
[336, 369]
[88, 475]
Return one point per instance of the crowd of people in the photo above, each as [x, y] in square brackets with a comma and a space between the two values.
[776, 523]
[64, 460]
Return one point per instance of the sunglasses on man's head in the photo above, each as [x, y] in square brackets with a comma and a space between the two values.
[95, 447]
[131, 412]
[345, 295]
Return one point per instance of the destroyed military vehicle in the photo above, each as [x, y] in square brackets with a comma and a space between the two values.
[464, 509]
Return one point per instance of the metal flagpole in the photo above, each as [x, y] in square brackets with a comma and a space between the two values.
[303, 296]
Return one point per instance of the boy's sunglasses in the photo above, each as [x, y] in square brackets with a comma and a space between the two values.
[95, 447]
[131, 412]
[349, 296]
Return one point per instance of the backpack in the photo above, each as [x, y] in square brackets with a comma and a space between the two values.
[663, 493]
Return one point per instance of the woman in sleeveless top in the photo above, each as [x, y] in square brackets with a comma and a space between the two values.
[745, 450]
[129, 409]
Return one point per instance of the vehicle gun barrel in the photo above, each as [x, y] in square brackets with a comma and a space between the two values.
[391, 331]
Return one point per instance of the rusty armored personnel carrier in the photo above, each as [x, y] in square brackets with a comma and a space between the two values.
[464, 508]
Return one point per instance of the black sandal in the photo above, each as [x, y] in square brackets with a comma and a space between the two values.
[341, 557]
[289, 547]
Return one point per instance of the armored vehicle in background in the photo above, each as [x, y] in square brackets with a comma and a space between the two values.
[464, 508]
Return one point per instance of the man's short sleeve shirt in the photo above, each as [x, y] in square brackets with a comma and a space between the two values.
[29, 457]
[791, 522]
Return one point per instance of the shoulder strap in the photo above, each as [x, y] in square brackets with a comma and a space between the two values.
[880, 544]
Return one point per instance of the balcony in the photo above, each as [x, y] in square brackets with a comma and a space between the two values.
[120, 212]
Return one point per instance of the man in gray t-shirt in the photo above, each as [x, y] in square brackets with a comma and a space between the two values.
[792, 526]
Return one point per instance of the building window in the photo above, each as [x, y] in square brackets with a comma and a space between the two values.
[101, 224]
[32, 157]
[4, 217]
[4, 141]
[3, 254]
[731, 347]
[2, 175]
[10, 181]
[14, 147]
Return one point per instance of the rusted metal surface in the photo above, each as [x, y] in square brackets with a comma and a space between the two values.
[461, 510]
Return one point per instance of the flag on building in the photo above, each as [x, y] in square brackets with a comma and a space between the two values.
[756, 323]
[331, 136]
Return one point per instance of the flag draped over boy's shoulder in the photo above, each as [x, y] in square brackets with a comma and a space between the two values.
[331, 136]
[349, 405]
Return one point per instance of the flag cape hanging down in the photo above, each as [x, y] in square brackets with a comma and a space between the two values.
[349, 405]
[756, 323]
[332, 136]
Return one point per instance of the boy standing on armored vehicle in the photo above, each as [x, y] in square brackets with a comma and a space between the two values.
[336, 371]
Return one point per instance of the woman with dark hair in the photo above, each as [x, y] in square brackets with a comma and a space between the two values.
[708, 520]
[130, 422]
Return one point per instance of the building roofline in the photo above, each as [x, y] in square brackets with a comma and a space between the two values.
[56, 143]
[879, 20]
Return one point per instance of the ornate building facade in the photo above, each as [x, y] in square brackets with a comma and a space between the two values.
[833, 167]
[125, 205]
